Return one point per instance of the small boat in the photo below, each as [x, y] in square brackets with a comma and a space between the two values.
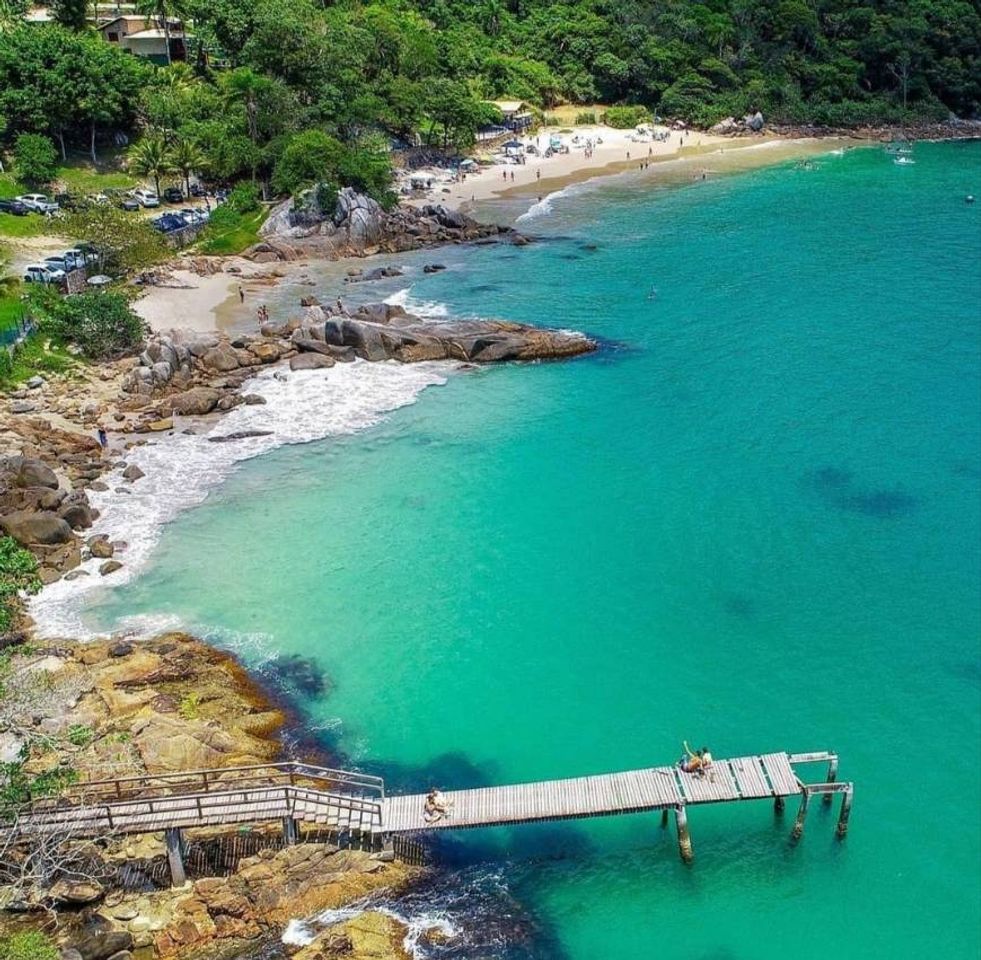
[904, 161]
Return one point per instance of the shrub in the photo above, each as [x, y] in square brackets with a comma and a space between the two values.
[313, 157]
[101, 324]
[18, 571]
[29, 945]
[623, 118]
[79, 735]
[243, 198]
[190, 706]
[587, 117]
[35, 158]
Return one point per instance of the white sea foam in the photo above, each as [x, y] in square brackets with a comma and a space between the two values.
[544, 206]
[303, 932]
[182, 469]
[421, 308]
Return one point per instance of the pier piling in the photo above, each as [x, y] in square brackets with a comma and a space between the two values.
[798, 830]
[664, 818]
[779, 805]
[832, 778]
[175, 856]
[684, 838]
[846, 809]
[291, 832]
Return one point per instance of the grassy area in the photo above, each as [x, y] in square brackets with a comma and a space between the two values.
[36, 355]
[84, 178]
[11, 308]
[233, 233]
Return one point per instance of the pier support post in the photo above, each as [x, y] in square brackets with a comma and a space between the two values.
[779, 805]
[846, 809]
[664, 818]
[684, 838]
[832, 778]
[798, 830]
[175, 856]
[291, 832]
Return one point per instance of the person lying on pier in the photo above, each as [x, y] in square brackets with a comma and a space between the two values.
[437, 806]
[697, 763]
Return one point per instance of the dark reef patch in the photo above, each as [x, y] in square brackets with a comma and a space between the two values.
[839, 488]
[740, 606]
[299, 675]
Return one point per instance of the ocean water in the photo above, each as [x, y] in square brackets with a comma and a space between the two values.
[751, 520]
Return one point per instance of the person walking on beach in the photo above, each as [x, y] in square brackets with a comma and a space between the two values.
[538, 174]
[241, 294]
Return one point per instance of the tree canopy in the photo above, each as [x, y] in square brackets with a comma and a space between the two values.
[356, 71]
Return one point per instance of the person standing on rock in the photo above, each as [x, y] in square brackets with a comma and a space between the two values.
[103, 438]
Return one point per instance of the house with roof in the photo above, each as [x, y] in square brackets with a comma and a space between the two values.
[146, 37]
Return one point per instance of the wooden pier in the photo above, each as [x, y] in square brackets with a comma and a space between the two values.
[294, 793]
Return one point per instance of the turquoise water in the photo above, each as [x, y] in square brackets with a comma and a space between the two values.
[752, 521]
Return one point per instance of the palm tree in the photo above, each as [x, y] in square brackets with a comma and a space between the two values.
[186, 158]
[149, 157]
[162, 10]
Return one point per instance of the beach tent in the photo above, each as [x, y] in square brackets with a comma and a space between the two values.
[467, 164]
[514, 146]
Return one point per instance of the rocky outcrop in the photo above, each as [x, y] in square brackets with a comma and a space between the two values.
[383, 331]
[369, 936]
[359, 226]
[730, 126]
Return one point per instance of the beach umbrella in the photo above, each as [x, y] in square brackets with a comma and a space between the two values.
[513, 145]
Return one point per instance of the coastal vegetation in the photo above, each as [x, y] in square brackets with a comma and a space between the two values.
[99, 324]
[315, 93]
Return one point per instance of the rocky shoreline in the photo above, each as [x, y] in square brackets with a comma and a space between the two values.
[117, 707]
[359, 226]
[50, 457]
[157, 707]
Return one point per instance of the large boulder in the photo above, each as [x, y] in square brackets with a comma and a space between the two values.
[192, 403]
[29, 528]
[222, 357]
[311, 361]
[26, 472]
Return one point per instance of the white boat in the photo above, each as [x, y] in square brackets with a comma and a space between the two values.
[904, 161]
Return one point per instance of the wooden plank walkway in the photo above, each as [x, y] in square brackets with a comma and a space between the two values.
[654, 788]
[338, 800]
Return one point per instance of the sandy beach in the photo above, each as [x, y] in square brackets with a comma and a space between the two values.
[616, 153]
[191, 302]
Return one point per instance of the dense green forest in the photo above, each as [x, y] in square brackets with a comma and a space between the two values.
[285, 91]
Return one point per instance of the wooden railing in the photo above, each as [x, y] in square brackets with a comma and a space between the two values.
[153, 786]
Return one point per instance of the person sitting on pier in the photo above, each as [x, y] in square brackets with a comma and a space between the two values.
[694, 763]
[437, 806]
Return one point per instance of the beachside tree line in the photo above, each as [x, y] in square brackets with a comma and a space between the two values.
[317, 91]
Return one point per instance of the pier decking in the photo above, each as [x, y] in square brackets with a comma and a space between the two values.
[294, 793]
[654, 788]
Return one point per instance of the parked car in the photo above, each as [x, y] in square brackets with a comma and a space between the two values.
[197, 190]
[100, 198]
[146, 198]
[89, 251]
[192, 216]
[70, 201]
[81, 256]
[173, 195]
[15, 207]
[38, 203]
[169, 222]
[128, 203]
[42, 273]
[59, 264]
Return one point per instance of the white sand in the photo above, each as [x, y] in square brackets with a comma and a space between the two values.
[188, 302]
[616, 153]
